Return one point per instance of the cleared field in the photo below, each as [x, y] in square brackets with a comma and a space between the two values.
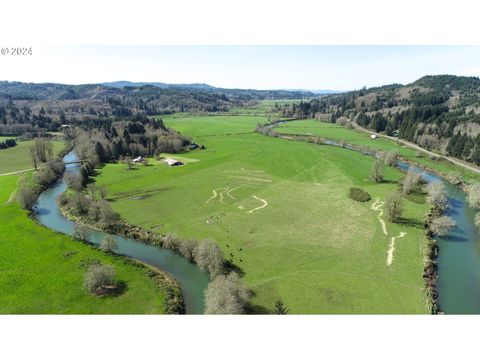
[338, 132]
[281, 212]
[40, 271]
[18, 157]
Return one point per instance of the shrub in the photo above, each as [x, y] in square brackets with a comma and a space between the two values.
[441, 225]
[209, 257]
[454, 177]
[170, 242]
[100, 279]
[226, 295]
[359, 195]
[279, 308]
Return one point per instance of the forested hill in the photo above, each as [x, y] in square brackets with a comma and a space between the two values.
[439, 112]
[30, 109]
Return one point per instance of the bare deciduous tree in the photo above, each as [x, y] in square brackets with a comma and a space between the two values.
[108, 244]
[107, 216]
[437, 195]
[209, 257]
[80, 232]
[41, 151]
[473, 195]
[187, 248]
[26, 196]
[390, 158]
[377, 171]
[394, 206]
[226, 295]
[170, 242]
[410, 181]
[441, 225]
[455, 177]
[74, 181]
[80, 204]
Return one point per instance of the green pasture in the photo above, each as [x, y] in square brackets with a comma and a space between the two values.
[18, 158]
[280, 211]
[40, 271]
[338, 132]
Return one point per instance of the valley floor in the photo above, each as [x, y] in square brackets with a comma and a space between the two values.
[281, 213]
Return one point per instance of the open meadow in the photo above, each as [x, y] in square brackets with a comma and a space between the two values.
[18, 158]
[356, 137]
[280, 210]
[41, 271]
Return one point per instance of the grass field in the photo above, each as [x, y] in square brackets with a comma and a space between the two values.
[18, 157]
[280, 210]
[38, 277]
[338, 132]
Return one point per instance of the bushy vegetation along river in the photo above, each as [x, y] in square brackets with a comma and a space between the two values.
[191, 279]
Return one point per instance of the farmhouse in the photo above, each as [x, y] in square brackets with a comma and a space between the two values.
[173, 162]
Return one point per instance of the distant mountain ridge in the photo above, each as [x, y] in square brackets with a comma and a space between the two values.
[124, 83]
[209, 88]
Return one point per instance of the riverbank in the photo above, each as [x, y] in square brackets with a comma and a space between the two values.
[42, 272]
[190, 280]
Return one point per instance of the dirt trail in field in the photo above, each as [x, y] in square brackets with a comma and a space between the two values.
[377, 206]
[391, 248]
[215, 194]
[265, 203]
[16, 172]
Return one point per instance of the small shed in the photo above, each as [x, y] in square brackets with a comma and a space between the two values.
[373, 136]
[173, 162]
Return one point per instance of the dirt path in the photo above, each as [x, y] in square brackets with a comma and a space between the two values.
[16, 172]
[391, 247]
[229, 192]
[377, 206]
[265, 203]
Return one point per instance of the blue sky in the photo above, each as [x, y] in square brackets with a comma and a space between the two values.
[261, 67]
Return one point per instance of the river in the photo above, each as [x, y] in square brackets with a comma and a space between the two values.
[192, 280]
[458, 261]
